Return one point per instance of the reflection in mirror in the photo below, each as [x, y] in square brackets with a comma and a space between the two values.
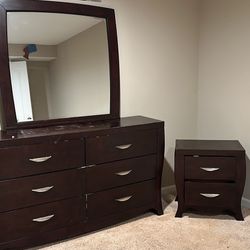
[59, 65]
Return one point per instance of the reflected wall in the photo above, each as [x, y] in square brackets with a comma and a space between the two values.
[67, 75]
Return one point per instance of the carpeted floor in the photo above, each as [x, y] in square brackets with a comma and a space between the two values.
[167, 232]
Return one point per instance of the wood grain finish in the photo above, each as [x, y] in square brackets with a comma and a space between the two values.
[219, 147]
[61, 155]
[119, 146]
[20, 223]
[29, 191]
[121, 199]
[198, 194]
[83, 198]
[210, 168]
[68, 232]
[119, 173]
[210, 176]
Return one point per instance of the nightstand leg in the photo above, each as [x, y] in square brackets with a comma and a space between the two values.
[238, 214]
[179, 212]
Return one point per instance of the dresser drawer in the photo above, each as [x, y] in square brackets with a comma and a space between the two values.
[119, 146]
[23, 222]
[119, 173]
[40, 158]
[121, 199]
[210, 194]
[210, 168]
[28, 191]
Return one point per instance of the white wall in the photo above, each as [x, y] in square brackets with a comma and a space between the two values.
[79, 77]
[162, 60]
[38, 73]
[158, 49]
[224, 73]
[158, 63]
[158, 60]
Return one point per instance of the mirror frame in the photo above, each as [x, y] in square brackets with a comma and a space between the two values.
[9, 114]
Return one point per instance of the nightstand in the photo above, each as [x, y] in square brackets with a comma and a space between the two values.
[210, 176]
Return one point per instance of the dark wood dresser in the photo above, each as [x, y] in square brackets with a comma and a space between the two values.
[61, 181]
[210, 176]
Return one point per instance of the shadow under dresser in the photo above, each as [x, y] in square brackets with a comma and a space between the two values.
[61, 181]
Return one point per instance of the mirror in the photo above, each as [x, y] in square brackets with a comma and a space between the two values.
[59, 63]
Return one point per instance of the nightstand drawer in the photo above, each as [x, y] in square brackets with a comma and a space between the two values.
[40, 158]
[25, 222]
[120, 146]
[29, 191]
[121, 199]
[119, 173]
[210, 168]
[210, 194]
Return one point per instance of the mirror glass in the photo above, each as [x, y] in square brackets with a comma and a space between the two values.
[59, 65]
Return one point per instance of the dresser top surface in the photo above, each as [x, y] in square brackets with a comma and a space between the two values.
[77, 128]
[213, 145]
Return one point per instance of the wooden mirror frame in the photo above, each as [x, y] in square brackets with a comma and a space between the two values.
[8, 108]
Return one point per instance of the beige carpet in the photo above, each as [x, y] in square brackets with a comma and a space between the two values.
[167, 232]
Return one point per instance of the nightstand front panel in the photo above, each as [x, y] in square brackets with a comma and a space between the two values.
[210, 194]
[210, 168]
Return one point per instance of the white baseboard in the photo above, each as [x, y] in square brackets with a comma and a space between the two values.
[245, 203]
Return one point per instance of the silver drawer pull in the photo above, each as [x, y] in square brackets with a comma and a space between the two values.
[210, 169]
[124, 199]
[43, 219]
[42, 190]
[40, 159]
[124, 173]
[88, 166]
[122, 147]
[210, 195]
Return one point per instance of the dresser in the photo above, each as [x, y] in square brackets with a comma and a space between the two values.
[210, 176]
[62, 181]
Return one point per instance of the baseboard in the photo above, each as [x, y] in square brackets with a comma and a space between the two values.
[245, 203]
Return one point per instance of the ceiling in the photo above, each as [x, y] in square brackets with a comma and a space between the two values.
[46, 28]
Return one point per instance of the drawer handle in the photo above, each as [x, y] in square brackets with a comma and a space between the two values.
[124, 198]
[210, 169]
[210, 195]
[42, 190]
[40, 159]
[122, 147]
[124, 173]
[88, 166]
[43, 219]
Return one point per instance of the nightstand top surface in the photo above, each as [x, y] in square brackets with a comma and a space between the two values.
[218, 145]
